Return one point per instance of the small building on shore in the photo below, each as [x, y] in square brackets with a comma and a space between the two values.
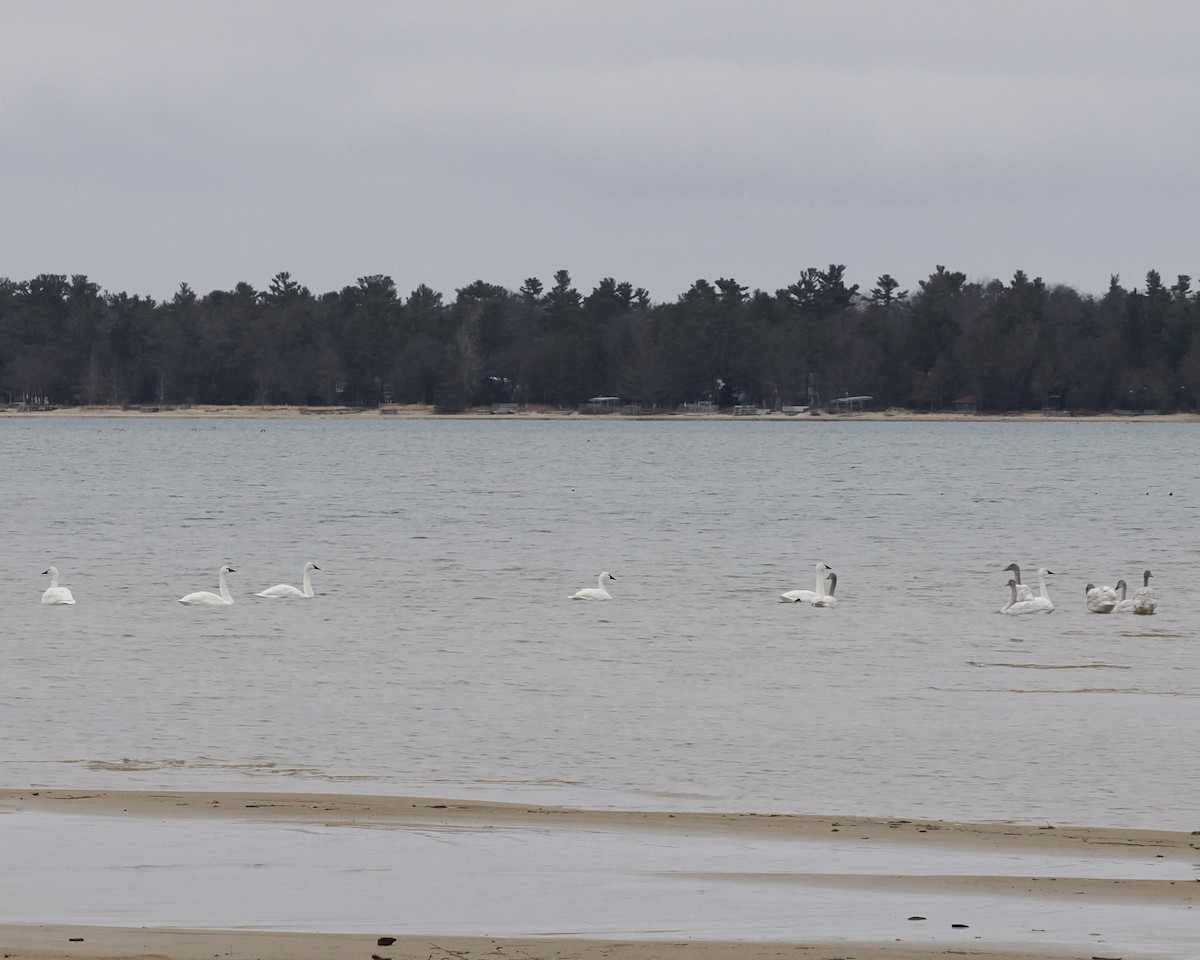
[596, 405]
[848, 404]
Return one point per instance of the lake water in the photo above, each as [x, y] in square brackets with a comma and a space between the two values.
[442, 656]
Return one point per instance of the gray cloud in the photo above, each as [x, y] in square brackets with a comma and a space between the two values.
[148, 143]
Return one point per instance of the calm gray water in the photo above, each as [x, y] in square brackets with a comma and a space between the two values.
[442, 656]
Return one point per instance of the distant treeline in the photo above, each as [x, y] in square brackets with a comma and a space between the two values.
[1019, 345]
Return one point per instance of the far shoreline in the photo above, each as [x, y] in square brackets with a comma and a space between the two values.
[537, 413]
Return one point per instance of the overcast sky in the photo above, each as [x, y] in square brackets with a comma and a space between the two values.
[149, 143]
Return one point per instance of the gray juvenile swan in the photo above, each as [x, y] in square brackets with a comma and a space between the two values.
[829, 600]
[1123, 605]
[1145, 600]
[1023, 592]
[282, 590]
[54, 593]
[205, 598]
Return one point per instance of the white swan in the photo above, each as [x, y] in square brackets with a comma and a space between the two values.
[1145, 600]
[1043, 599]
[829, 600]
[1015, 606]
[597, 592]
[54, 593]
[281, 590]
[1123, 605]
[808, 596]
[205, 598]
[1100, 599]
[1023, 592]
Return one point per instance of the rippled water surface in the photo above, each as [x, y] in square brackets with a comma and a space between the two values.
[442, 656]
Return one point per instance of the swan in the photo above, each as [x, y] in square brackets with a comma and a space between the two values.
[1123, 605]
[54, 593]
[287, 590]
[1023, 592]
[1042, 600]
[597, 592]
[808, 596]
[1100, 599]
[205, 598]
[829, 600]
[1145, 600]
[1016, 606]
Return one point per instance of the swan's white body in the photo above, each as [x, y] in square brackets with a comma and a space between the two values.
[54, 593]
[1042, 600]
[1123, 605]
[1145, 600]
[1017, 606]
[205, 598]
[597, 592]
[1100, 599]
[829, 600]
[283, 590]
[808, 596]
[1023, 592]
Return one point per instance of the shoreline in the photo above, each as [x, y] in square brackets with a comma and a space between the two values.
[401, 811]
[65, 942]
[902, 848]
[423, 412]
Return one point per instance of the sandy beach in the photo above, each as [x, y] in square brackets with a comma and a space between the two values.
[421, 814]
[108, 943]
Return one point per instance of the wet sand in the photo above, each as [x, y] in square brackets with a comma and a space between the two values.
[109, 943]
[400, 813]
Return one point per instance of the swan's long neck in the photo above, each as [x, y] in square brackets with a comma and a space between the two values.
[53, 577]
[224, 586]
[819, 589]
[1042, 587]
[1122, 587]
[1145, 578]
[1016, 572]
[600, 582]
[832, 583]
[1012, 586]
[308, 590]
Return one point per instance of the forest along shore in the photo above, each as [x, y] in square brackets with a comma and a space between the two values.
[428, 412]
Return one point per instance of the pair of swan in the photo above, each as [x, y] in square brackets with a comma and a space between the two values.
[1022, 598]
[54, 593]
[818, 597]
[1144, 600]
[597, 592]
[205, 598]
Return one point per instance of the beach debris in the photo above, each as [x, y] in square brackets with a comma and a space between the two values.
[917, 918]
[75, 939]
[386, 941]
